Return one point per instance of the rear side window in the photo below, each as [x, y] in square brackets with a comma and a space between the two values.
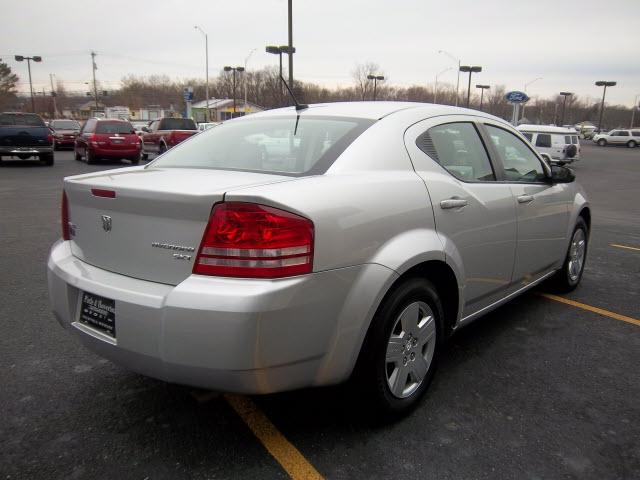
[636, 133]
[459, 150]
[543, 140]
[21, 119]
[305, 145]
[114, 127]
[177, 124]
[528, 136]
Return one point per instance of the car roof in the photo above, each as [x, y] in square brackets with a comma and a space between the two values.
[546, 129]
[371, 110]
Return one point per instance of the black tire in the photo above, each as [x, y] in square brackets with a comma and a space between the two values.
[565, 280]
[602, 142]
[47, 159]
[144, 156]
[77, 156]
[135, 160]
[372, 375]
[162, 148]
[632, 144]
[89, 157]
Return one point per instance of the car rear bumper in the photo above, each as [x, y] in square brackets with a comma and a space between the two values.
[237, 335]
[8, 150]
[116, 153]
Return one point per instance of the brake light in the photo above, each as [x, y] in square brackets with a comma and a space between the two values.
[66, 230]
[255, 241]
[50, 138]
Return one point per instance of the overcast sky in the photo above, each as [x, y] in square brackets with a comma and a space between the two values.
[570, 44]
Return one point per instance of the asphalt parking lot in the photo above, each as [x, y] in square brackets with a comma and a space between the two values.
[538, 389]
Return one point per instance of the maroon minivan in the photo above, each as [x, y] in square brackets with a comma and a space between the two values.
[107, 138]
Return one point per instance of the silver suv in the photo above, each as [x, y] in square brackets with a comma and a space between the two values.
[630, 138]
[353, 250]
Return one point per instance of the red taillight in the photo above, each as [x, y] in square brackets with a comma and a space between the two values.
[255, 241]
[50, 138]
[66, 231]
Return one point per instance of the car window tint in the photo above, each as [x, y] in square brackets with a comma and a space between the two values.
[178, 124]
[567, 139]
[543, 140]
[636, 133]
[304, 145]
[520, 163]
[458, 148]
[114, 127]
[574, 139]
[21, 119]
[624, 133]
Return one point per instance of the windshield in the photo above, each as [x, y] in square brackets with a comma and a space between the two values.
[114, 127]
[65, 125]
[28, 119]
[178, 124]
[284, 145]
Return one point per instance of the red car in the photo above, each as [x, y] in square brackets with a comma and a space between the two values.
[64, 133]
[165, 133]
[107, 138]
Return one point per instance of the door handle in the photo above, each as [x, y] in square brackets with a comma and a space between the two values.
[453, 203]
[525, 199]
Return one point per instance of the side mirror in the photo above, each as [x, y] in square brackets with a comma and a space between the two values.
[560, 174]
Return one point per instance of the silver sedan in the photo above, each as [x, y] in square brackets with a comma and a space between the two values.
[353, 250]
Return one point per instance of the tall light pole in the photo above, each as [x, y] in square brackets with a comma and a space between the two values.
[564, 105]
[376, 79]
[95, 85]
[435, 89]
[470, 69]
[482, 89]
[234, 70]
[457, 60]
[277, 51]
[35, 58]
[206, 70]
[53, 96]
[526, 85]
[605, 84]
[633, 111]
[291, 50]
[245, 80]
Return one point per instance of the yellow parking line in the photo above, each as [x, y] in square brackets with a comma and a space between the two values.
[599, 311]
[625, 246]
[288, 456]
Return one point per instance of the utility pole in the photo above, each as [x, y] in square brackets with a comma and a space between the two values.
[564, 105]
[244, 79]
[605, 84]
[95, 85]
[291, 50]
[206, 70]
[53, 96]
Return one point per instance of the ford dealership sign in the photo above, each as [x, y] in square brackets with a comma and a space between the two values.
[517, 97]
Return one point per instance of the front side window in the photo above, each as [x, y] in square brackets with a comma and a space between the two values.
[459, 150]
[304, 145]
[520, 163]
[543, 140]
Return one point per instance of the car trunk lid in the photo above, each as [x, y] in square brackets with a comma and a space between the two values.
[147, 223]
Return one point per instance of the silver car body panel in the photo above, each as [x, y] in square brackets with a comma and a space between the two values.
[376, 215]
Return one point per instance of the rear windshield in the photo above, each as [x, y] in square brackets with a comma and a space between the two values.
[282, 145]
[177, 124]
[65, 125]
[114, 127]
[29, 119]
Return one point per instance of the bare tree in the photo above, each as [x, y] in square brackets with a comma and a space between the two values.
[359, 74]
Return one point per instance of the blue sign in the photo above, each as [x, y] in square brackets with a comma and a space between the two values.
[516, 97]
[187, 94]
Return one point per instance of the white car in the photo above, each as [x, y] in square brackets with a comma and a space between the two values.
[630, 138]
[560, 143]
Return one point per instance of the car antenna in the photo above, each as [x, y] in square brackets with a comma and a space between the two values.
[299, 106]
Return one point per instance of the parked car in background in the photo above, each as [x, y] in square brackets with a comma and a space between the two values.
[102, 138]
[386, 227]
[164, 133]
[560, 143]
[629, 138]
[25, 135]
[64, 133]
[206, 126]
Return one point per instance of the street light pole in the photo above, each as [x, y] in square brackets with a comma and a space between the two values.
[273, 49]
[245, 80]
[95, 85]
[564, 105]
[458, 62]
[206, 70]
[435, 90]
[470, 69]
[35, 58]
[291, 49]
[633, 111]
[525, 91]
[482, 89]
[375, 79]
[234, 70]
[605, 84]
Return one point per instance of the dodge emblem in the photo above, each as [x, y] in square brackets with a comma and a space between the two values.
[106, 223]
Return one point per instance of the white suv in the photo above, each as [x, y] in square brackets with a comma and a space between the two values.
[630, 138]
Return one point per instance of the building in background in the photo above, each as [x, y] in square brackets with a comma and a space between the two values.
[221, 109]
